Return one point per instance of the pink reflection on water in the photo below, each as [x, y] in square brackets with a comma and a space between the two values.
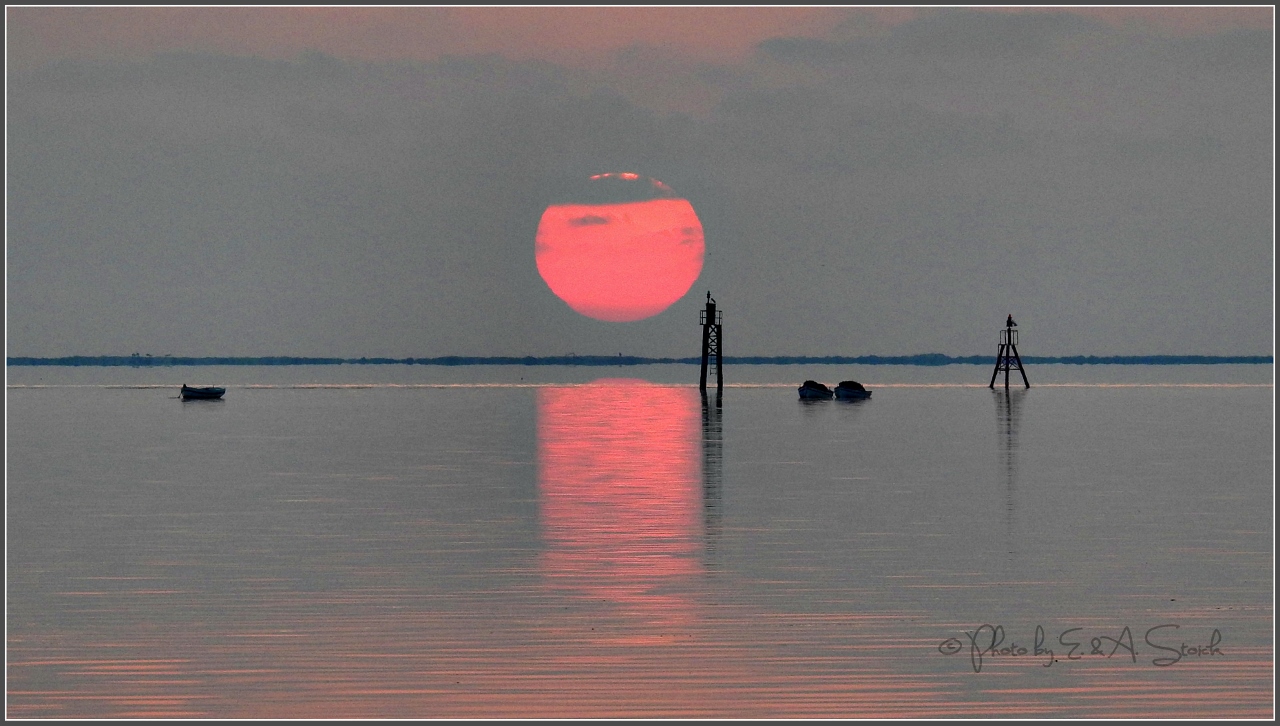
[619, 490]
[612, 619]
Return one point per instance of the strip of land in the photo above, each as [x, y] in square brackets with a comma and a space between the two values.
[924, 359]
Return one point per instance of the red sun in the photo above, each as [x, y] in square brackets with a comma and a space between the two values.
[626, 252]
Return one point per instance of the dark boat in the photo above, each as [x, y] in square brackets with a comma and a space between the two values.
[814, 390]
[852, 391]
[206, 392]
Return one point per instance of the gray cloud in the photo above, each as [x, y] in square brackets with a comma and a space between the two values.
[891, 193]
[588, 220]
[973, 34]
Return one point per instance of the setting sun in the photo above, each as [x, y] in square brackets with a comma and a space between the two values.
[627, 254]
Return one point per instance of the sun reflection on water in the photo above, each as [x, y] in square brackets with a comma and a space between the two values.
[620, 494]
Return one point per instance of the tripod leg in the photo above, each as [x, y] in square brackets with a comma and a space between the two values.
[719, 360]
[996, 372]
[1020, 368]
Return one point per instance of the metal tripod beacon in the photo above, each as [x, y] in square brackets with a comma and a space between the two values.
[1008, 359]
[711, 335]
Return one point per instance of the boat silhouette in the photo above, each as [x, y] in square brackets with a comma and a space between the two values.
[199, 392]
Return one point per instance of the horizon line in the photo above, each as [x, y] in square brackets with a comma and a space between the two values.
[921, 359]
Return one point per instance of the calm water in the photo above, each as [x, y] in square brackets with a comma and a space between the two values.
[412, 542]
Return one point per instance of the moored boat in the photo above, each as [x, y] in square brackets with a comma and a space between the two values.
[814, 390]
[202, 392]
[851, 390]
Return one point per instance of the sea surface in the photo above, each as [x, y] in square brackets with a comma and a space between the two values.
[527, 542]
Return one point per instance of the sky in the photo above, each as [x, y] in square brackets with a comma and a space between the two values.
[355, 181]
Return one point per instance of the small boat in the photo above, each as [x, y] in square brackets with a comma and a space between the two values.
[206, 392]
[851, 391]
[814, 390]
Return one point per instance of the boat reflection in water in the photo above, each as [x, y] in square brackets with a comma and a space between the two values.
[620, 490]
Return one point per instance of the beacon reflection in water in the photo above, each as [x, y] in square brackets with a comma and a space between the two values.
[620, 492]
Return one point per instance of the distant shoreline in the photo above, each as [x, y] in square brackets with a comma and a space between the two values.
[925, 359]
